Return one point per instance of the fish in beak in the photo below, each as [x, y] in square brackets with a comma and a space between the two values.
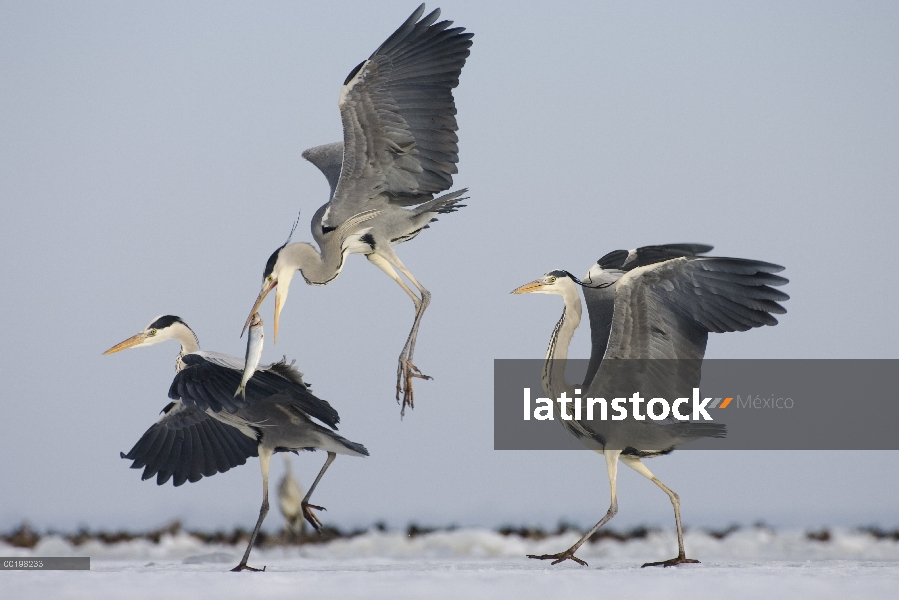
[266, 288]
[280, 298]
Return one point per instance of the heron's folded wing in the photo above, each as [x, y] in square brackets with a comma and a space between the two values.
[398, 113]
[187, 444]
[209, 381]
[285, 379]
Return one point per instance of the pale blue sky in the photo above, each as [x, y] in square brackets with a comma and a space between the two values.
[150, 162]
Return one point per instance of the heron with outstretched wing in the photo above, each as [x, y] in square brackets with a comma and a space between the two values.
[207, 429]
[654, 337]
[399, 151]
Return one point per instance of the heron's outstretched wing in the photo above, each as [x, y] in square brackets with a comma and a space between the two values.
[667, 309]
[328, 158]
[599, 291]
[188, 444]
[662, 317]
[398, 113]
[208, 383]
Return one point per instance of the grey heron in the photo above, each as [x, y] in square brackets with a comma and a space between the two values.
[290, 501]
[664, 309]
[399, 149]
[206, 429]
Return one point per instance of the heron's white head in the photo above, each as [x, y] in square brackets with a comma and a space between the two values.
[279, 271]
[162, 328]
[557, 282]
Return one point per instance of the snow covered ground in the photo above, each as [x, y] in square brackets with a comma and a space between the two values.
[473, 563]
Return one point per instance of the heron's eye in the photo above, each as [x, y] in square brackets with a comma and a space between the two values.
[269, 278]
[551, 279]
[152, 333]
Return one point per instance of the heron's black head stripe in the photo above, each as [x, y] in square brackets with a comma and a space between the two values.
[563, 273]
[270, 265]
[165, 321]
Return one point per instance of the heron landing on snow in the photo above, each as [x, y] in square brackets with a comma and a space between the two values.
[206, 429]
[652, 303]
[399, 150]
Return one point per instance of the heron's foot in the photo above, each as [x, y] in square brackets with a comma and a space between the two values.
[246, 567]
[413, 371]
[311, 517]
[672, 562]
[560, 557]
[405, 373]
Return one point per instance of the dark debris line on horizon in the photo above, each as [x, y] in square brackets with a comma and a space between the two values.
[24, 536]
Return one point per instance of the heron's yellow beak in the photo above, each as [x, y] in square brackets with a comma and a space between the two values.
[529, 287]
[134, 340]
[279, 304]
[266, 288]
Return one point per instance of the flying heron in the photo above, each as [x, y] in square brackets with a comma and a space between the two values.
[206, 429]
[664, 309]
[399, 149]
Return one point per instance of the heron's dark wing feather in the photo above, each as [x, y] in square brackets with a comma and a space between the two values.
[667, 309]
[287, 371]
[687, 249]
[398, 113]
[187, 444]
[186, 459]
[600, 308]
[208, 382]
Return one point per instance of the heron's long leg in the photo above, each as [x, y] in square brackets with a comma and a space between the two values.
[385, 266]
[425, 300]
[640, 468]
[265, 455]
[306, 507]
[385, 259]
[611, 457]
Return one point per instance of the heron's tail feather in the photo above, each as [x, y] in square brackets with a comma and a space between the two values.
[353, 447]
[701, 430]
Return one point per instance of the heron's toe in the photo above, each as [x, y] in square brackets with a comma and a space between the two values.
[560, 557]
[679, 560]
[413, 371]
[246, 567]
[311, 517]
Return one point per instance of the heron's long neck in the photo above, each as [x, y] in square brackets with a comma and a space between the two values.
[189, 343]
[316, 268]
[553, 379]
